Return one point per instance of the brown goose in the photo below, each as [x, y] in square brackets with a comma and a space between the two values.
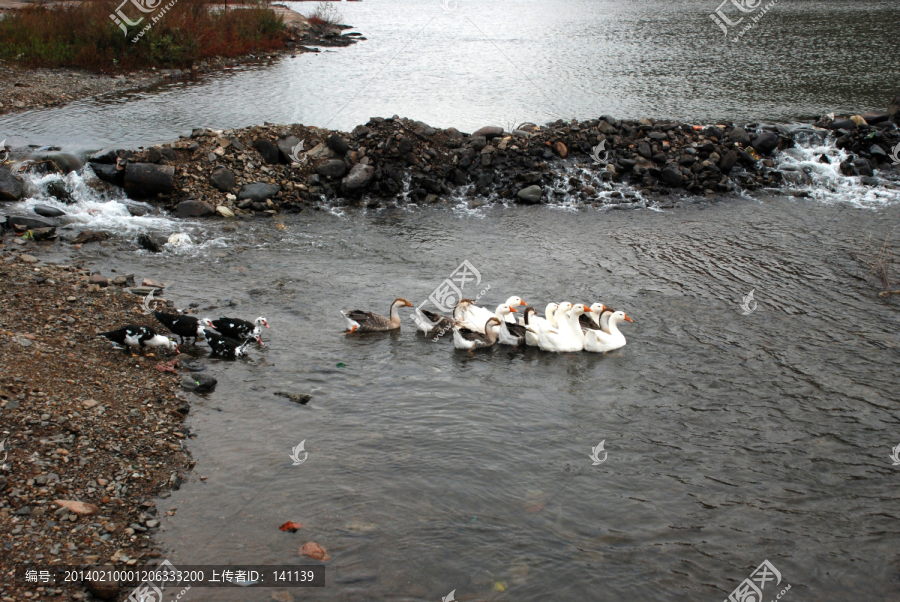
[464, 338]
[359, 321]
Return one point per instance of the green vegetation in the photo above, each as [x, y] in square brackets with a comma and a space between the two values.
[83, 35]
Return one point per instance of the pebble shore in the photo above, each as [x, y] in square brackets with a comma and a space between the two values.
[94, 438]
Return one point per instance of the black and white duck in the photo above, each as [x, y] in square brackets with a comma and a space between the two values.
[185, 327]
[139, 336]
[241, 330]
[226, 346]
[359, 321]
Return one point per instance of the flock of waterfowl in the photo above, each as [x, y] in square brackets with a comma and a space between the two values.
[228, 337]
[563, 328]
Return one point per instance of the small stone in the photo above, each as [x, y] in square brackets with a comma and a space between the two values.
[530, 195]
[560, 150]
[314, 550]
[99, 280]
[224, 211]
[152, 523]
[79, 508]
[28, 258]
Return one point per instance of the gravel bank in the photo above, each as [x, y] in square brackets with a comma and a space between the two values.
[82, 422]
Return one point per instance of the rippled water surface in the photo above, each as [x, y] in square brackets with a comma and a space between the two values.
[731, 438]
[508, 61]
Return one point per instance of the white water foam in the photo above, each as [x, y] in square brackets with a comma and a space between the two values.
[824, 181]
[94, 205]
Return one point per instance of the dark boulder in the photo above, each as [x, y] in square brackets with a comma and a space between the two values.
[337, 144]
[458, 177]
[30, 223]
[258, 191]
[222, 179]
[194, 209]
[843, 124]
[148, 179]
[740, 136]
[358, 178]
[198, 382]
[108, 173]
[878, 153]
[151, 243]
[64, 161]
[107, 155]
[267, 150]
[643, 150]
[863, 167]
[286, 147]
[48, 211]
[404, 146]
[58, 190]
[489, 132]
[765, 143]
[333, 168]
[671, 176]
[12, 187]
[877, 117]
[728, 162]
[530, 195]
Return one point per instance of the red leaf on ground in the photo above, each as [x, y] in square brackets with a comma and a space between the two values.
[168, 366]
[291, 526]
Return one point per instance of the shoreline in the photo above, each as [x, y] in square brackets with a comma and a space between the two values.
[27, 88]
[82, 425]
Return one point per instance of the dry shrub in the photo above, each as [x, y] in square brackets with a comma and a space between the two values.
[83, 35]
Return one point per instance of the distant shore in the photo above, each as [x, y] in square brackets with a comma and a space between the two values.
[24, 88]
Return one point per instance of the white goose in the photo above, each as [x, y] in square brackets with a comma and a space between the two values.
[597, 318]
[478, 316]
[538, 323]
[598, 341]
[510, 332]
[567, 336]
[469, 340]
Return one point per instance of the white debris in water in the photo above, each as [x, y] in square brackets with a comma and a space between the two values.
[180, 239]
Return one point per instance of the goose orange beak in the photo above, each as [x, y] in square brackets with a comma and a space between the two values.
[513, 310]
[522, 302]
[587, 309]
[627, 319]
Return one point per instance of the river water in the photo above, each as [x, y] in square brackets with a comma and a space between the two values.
[502, 61]
[731, 438]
